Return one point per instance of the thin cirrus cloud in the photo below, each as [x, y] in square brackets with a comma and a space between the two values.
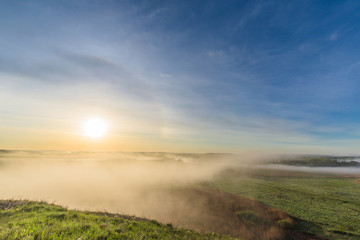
[248, 73]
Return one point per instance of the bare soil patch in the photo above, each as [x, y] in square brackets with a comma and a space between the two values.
[209, 210]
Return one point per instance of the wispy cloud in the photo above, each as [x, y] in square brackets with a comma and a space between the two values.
[334, 36]
[237, 73]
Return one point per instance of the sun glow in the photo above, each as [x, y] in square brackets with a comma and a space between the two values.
[94, 128]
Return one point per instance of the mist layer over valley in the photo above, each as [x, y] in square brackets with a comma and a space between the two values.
[186, 190]
[119, 182]
[151, 185]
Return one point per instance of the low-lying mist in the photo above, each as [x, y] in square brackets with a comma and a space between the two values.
[306, 169]
[160, 186]
[117, 182]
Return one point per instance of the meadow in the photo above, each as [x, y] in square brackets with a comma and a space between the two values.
[174, 196]
[39, 220]
[323, 204]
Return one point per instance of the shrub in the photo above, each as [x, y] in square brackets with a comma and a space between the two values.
[286, 223]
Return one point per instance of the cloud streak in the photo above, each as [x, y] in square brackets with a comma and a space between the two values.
[273, 73]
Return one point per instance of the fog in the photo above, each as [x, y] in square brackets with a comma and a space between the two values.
[327, 170]
[160, 186]
[97, 181]
[140, 184]
[129, 183]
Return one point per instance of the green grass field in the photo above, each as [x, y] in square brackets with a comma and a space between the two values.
[320, 207]
[39, 220]
[328, 206]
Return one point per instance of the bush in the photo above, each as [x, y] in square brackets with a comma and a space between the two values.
[286, 223]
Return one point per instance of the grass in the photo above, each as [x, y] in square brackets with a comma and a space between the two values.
[249, 216]
[213, 211]
[325, 205]
[321, 205]
[39, 220]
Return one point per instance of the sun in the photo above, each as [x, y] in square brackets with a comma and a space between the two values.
[94, 128]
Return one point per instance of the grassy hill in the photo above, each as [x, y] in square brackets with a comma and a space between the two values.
[229, 216]
[39, 220]
[325, 205]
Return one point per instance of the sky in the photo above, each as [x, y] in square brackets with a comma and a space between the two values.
[181, 76]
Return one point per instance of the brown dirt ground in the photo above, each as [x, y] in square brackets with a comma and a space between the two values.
[209, 210]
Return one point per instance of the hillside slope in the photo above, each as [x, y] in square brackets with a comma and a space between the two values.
[327, 205]
[39, 220]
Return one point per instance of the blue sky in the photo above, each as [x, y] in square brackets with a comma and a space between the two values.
[183, 75]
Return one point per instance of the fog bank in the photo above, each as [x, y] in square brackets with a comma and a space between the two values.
[116, 182]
